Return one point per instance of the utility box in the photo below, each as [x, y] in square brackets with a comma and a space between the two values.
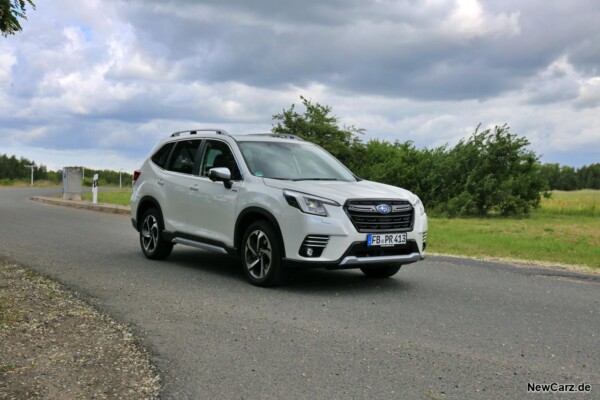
[72, 177]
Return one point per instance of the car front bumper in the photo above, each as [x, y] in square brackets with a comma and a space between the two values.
[346, 247]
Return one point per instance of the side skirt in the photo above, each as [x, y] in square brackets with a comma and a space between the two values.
[199, 242]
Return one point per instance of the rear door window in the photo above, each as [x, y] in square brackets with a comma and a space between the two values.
[184, 156]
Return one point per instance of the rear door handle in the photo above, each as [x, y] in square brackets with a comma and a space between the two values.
[160, 182]
[194, 188]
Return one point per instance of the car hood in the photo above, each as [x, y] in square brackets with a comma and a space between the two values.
[341, 191]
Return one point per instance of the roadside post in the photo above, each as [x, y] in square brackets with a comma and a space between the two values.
[95, 189]
[32, 166]
[72, 183]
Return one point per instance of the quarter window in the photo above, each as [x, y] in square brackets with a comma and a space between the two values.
[161, 156]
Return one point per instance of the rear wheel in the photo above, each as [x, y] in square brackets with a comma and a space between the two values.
[151, 240]
[261, 255]
[381, 271]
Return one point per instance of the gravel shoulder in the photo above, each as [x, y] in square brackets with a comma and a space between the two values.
[54, 345]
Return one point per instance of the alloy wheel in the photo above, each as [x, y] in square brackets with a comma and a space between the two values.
[150, 233]
[258, 254]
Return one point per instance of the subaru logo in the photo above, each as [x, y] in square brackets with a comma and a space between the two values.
[383, 209]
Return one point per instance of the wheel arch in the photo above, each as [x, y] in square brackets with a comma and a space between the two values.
[146, 203]
[250, 215]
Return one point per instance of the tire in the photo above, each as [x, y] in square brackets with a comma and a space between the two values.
[153, 245]
[381, 271]
[261, 255]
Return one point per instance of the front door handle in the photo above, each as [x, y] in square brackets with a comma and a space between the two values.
[160, 182]
[194, 188]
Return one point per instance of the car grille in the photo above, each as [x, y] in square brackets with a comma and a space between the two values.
[366, 218]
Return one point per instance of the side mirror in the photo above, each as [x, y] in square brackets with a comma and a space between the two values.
[221, 175]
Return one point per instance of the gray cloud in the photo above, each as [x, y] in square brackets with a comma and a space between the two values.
[119, 75]
[397, 49]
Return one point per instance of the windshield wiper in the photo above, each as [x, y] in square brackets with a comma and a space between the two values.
[315, 179]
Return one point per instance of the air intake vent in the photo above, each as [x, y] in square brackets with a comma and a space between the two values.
[316, 241]
[313, 245]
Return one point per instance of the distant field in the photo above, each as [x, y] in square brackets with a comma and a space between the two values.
[580, 202]
[565, 230]
[27, 183]
[121, 197]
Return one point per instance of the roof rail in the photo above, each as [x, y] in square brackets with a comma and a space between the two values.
[278, 135]
[194, 131]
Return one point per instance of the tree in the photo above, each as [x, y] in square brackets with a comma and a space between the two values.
[10, 13]
[317, 125]
[588, 176]
[492, 172]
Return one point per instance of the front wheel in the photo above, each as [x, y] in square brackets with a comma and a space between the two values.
[261, 255]
[151, 240]
[381, 271]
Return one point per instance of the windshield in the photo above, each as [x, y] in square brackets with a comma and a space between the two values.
[293, 161]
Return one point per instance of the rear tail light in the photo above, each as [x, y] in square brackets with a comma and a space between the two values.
[136, 175]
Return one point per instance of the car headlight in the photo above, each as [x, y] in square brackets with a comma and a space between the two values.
[418, 205]
[308, 204]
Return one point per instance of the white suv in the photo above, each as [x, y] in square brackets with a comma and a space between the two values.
[276, 201]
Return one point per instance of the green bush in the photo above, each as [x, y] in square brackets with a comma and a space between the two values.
[491, 172]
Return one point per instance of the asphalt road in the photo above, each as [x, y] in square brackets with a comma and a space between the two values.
[442, 328]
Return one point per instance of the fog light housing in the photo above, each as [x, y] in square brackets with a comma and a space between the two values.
[312, 252]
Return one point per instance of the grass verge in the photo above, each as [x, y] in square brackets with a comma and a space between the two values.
[121, 197]
[565, 230]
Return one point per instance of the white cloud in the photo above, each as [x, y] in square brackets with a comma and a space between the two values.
[559, 82]
[469, 20]
[589, 95]
[7, 60]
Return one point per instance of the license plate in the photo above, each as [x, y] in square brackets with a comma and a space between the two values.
[386, 239]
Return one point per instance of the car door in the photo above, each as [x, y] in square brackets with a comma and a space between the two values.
[212, 205]
[178, 181]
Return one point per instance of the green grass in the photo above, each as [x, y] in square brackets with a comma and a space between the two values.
[121, 197]
[565, 230]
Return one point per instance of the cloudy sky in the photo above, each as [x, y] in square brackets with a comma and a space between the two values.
[97, 83]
